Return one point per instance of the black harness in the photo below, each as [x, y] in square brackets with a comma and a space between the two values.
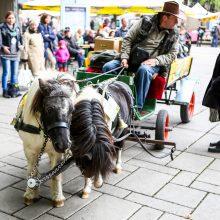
[20, 125]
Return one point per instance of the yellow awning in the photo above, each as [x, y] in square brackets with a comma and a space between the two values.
[35, 7]
[121, 10]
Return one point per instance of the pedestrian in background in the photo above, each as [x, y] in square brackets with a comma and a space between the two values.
[74, 50]
[10, 43]
[215, 33]
[211, 99]
[62, 55]
[121, 32]
[48, 35]
[34, 49]
[200, 32]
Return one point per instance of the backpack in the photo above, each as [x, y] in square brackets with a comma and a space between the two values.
[99, 58]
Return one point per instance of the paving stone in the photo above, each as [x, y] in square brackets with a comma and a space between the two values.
[209, 209]
[152, 166]
[114, 178]
[47, 217]
[20, 155]
[191, 162]
[181, 195]
[131, 152]
[128, 167]
[206, 187]
[70, 174]
[184, 137]
[74, 204]
[113, 190]
[14, 161]
[146, 157]
[201, 146]
[215, 165]
[184, 178]
[44, 190]
[195, 124]
[4, 216]
[74, 185]
[210, 176]
[167, 216]
[11, 200]
[8, 147]
[7, 180]
[108, 208]
[160, 204]
[35, 210]
[15, 171]
[146, 213]
[216, 129]
[145, 181]
[129, 144]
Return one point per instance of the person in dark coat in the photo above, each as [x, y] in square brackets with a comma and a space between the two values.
[48, 35]
[73, 48]
[211, 98]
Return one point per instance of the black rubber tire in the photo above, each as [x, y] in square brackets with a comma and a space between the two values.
[186, 113]
[160, 128]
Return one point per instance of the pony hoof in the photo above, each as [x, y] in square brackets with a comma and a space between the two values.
[85, 195]
[28, 201]
[117, 171]
[58, 204]
[98, 185]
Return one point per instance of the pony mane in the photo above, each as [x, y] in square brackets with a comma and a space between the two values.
[90, 135]
[58, 87]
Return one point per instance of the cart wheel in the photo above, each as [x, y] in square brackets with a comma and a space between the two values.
[186, 111]
[161, 133]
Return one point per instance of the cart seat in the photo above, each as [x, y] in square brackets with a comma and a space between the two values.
[156, 88]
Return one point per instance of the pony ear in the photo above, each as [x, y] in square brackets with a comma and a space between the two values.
[44, 86]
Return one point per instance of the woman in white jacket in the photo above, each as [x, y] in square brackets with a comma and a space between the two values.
[34, 49]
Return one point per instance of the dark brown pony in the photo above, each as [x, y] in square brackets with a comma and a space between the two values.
[92, 139]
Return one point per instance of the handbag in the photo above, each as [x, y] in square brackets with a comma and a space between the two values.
[25, 77]
[214, 115]
[137, 56]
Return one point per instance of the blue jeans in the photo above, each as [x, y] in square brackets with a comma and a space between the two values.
[142, 80]
[80, 59]
[214, 41]
[9, 66]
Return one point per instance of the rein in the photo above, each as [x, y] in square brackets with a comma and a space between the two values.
[88, 79]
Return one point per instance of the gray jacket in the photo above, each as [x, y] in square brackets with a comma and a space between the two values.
[161, 44]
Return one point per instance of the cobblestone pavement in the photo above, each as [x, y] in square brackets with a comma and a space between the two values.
[147, 188]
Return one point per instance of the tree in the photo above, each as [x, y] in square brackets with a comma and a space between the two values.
[211, 5]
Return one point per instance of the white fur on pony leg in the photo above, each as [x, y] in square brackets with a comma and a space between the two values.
[118, 167]
[98, 181]
[56, 184]
[31, 194]
[57, 192]
[87, 188]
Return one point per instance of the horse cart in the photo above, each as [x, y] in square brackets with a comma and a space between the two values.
[178, 90]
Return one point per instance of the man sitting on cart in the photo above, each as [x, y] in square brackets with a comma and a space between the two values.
[155, 35]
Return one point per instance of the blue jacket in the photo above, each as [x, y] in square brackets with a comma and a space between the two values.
[48, 37]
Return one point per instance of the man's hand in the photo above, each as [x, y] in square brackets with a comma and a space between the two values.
[124, 63]
[150, 62]
[6, 50]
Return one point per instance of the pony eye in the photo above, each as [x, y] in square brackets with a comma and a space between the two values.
[49, 110]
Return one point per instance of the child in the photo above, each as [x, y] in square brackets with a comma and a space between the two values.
[62, 55]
